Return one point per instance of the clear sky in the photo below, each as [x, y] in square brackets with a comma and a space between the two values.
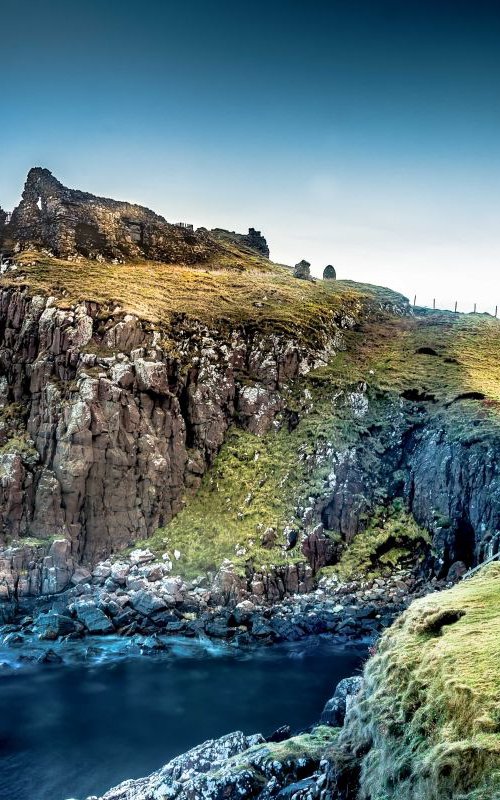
[362, 133]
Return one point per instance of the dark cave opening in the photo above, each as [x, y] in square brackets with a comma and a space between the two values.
[464, 546]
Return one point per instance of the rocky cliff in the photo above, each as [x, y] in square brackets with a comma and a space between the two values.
[109, 419]
[102, 429]
[234, 414]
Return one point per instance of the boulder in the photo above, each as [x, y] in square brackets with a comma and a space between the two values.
[50, 657]
[81, 575]
[337, 707]
[93, 618]
[146, 603]
[52, 625]
[456, 571]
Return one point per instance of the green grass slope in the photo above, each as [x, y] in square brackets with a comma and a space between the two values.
[428, 723]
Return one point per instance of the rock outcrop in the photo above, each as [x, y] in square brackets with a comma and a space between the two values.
[450, 483]
[70, 223]
[236, 766]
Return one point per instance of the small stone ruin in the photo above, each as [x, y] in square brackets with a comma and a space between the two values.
[302, 270]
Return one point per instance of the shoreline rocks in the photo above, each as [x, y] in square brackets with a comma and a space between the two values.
[139, 596]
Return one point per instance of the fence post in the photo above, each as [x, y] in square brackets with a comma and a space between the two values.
[414, 301]
[496, 311]
[474, 308]
[456, 306]
[434, 304]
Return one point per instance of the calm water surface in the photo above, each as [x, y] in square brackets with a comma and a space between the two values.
[78, 729]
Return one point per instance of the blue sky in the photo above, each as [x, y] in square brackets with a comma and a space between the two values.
[363, 133]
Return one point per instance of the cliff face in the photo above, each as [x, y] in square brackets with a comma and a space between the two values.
[119, 383]
[108, 423]
[449, 480]
[70, 223]
[102, 430]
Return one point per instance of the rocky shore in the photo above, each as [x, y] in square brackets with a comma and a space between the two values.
[140, 598]
[367, 729]
[281, 766]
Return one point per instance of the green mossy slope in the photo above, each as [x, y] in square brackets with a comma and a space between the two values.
[428, 723]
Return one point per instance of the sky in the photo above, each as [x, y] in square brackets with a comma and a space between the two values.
[361, 133]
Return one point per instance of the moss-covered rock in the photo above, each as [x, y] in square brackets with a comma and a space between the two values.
[427, 724]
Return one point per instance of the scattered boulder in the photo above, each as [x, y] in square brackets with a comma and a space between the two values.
[456, 571]
[337, 707]
[146, 603]
[52, 625]
[13, 638]
[93, 618]
[81, 575]
[152, 644]
[50, 657]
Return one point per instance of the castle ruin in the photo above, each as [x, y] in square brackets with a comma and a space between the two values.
[71, 223]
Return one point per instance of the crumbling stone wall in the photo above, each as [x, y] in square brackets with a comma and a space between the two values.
[70, 223]
[253, 239]
[256, 241]
[302, 270]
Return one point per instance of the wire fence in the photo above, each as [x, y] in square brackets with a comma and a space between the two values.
[458, 308]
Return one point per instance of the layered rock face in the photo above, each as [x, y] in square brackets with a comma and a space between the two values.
[448, 480]
[102, 430]
[70, 223]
